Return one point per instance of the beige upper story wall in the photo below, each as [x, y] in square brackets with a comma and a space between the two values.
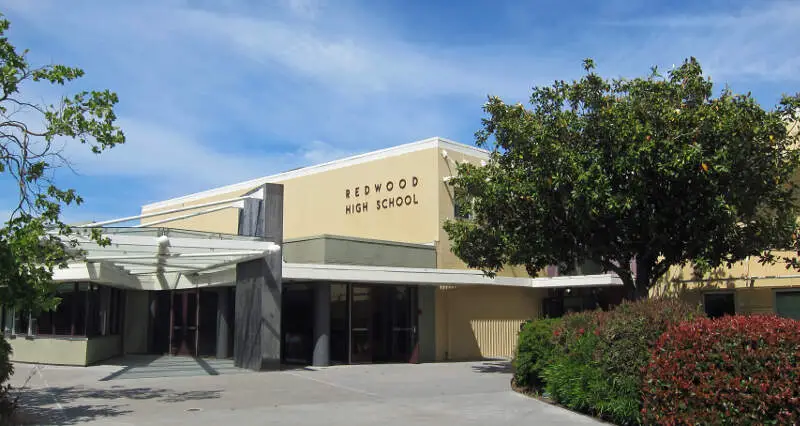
[353, 199]
[748, 273]
[391, 197]
[225, 221]
[447, 167]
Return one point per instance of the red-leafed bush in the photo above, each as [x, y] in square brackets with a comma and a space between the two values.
[731, 370]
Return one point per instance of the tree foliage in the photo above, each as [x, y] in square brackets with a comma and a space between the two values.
[32, 138]
[636, 175]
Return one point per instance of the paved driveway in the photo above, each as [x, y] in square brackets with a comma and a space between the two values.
[386, 395]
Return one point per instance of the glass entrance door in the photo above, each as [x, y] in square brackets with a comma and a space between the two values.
[361, 324]
[403, 343]
[297, 324]
[183, 339]
[383, 324]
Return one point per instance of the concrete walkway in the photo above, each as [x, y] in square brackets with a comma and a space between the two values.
[156, 366]
[386, 395]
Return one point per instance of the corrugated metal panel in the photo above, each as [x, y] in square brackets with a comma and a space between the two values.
[481, 322]
[496, 338]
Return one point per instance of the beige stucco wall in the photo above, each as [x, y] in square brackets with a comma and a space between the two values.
[225, 221]
[316, 204]
[481, 321]
[744, 277]
[102, 348]
[137, 323]
[753, 284]
[447, 167]
[64, 351]
[46, 350]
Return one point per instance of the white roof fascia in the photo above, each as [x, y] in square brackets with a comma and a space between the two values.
[436, 277]
[435, 142]
[107, 274]
[397, 276]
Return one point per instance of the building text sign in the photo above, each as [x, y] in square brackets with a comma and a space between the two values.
[388, 194]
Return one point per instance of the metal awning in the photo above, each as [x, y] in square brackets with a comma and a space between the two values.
[147, 257]
[161, 259]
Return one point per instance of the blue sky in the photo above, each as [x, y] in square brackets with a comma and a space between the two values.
[214, 92]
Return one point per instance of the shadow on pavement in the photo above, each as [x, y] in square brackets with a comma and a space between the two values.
[40, 405]
[493, 367]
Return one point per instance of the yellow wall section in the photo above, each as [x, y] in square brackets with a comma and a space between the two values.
[49, 351]
[316, 204]
[225, 221]
[445, 258]
[482, 321]
[748, 273]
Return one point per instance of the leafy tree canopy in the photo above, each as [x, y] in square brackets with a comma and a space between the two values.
[636, 175]
[32, 136]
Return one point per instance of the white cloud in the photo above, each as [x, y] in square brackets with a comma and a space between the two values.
[753, 43]
[214, 92]
[175, 164]
[306, 9]
[361, 65]
[318, 152]
[164, 155]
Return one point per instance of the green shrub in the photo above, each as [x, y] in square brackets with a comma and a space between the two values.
[534, 351]
[6, 370]
[594, 361]
[626, 336]
[574, 378]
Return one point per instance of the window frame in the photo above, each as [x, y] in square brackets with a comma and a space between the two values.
[777, 291]
[97, 319]
[721, 292]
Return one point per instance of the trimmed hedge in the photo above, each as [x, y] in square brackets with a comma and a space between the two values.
[534, 350]
[593, 362]
[731, 370]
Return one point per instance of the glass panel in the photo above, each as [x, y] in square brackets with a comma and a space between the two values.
[404, 322]
[184, 323]
[207, 329]
[787, 304]
[719, 304]
[339, 324]
[298, 323]
[78, 313]
[361, 325]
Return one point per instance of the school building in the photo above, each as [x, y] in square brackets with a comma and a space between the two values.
[337, 263]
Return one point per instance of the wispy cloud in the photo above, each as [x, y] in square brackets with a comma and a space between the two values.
[753, 42]
[214, 92]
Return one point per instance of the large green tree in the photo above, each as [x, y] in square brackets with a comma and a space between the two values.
[33, 135]
[636, 175]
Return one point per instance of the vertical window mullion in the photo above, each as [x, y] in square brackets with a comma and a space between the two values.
[72, 310]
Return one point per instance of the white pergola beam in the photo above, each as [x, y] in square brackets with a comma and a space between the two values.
[118, 240]
[155, 256]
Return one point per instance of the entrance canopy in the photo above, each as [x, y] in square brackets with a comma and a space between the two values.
[161, 259]
[155, 258]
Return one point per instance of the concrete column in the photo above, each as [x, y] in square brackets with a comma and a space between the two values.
[223, 323]
[322, 325]
[426, 326]
[257, 330]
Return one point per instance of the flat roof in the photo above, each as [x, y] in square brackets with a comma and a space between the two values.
[434, 142]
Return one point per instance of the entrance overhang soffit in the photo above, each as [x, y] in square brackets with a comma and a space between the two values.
[162, 262]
